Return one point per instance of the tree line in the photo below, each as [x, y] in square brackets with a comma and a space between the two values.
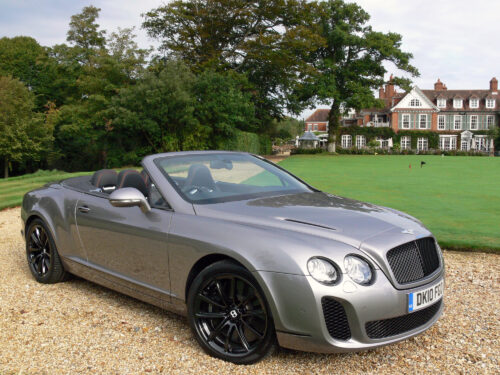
[225, 70]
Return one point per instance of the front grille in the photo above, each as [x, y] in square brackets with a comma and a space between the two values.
[336, 319]
[414, 260]
[379, 329]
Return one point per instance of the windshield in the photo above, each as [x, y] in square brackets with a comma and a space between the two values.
[213, 178]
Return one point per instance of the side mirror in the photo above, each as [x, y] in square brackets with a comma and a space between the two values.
[129, 197]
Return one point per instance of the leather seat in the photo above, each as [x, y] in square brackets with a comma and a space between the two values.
[199, 175]
[104, 178]
[132, 178]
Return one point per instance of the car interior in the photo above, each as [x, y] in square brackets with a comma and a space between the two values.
[103, 182]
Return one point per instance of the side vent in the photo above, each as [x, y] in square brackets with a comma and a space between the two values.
[336, 319]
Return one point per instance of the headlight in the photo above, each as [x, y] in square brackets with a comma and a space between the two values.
[358, 270]
[322, 270]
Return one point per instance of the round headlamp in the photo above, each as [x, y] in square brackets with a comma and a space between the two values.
[322, 270]
[358, 269]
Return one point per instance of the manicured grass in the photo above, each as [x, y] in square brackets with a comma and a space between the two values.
[457, 198]
[12, 189]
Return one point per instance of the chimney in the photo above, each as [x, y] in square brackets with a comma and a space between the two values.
[389, 89]
[494, 85]
[381, 93]
[439, 86]
[444, 87]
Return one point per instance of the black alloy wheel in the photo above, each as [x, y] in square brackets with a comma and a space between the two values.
[43, 259]
[229, 315]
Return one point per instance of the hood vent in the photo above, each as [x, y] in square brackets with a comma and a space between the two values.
[311, 224]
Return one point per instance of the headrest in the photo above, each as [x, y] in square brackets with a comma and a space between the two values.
[104, 177]
[132, 178]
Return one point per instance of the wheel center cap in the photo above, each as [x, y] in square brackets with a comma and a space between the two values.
[233, 314]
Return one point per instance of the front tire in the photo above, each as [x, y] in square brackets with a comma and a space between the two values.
[229, 315]
[41, 252]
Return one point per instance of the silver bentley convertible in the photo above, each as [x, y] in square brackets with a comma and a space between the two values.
[252, 255]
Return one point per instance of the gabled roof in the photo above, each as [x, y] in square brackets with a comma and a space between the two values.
[319, 115]
[308, 136]
[449, 95]
[415, 92]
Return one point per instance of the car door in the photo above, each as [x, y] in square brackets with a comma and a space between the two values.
[126, 244]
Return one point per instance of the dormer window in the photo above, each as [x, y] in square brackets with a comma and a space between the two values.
[474, 103]
[415, 103]
[490, 103]
[441, 103]
[457, 103]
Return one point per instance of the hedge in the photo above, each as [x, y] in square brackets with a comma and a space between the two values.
[242, 141]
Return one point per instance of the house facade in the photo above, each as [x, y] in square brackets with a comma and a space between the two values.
[430, 119]
[318, 121]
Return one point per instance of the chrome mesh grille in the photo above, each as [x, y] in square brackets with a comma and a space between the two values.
[336, 319]
[414, 260]
[379, 329]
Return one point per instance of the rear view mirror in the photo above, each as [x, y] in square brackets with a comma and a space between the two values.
[221, 164]
[129, 197]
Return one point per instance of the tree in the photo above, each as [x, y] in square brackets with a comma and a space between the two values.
[84, 33]
[351, 63]
[223, 106]
[23, 58]
[23, 134]
[268, 41]
[160, 108]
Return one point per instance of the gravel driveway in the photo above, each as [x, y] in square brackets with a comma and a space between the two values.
[79, 327]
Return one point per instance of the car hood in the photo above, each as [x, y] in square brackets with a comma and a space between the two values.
[359, 224]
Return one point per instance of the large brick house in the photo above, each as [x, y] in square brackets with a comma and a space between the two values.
[318, 121]
[455, 119]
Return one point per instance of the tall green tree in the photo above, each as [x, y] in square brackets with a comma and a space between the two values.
[85, 34]
[160, 108]
[23, 58]
[351, 63]
[23, 133]
[269, 41]
[223, 106]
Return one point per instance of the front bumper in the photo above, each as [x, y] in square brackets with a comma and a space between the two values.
[298, 313]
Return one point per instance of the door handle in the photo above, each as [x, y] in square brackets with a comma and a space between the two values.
[83, 209]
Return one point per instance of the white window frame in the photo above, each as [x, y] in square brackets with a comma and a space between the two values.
[447, 142]
[422, 144]
[490, 121]
[315, 127]
[460, 122]
[420, 117]
[360, 141]
[490, 103]
[443, 127]
[474, 103]
[346, 141]
[415, 103]
[481, 143]
[476, 122]
[405, 142]
[458, 103]
[403, 121]
[441, 103]
[309, 127]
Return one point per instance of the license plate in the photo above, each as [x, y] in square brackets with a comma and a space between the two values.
[423, 298]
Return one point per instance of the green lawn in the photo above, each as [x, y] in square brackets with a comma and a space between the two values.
[12, 189]
[457, 198]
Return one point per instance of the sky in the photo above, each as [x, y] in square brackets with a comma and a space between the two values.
[454, 40]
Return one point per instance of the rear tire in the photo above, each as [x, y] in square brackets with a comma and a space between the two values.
[229, 315]
[41, 252]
